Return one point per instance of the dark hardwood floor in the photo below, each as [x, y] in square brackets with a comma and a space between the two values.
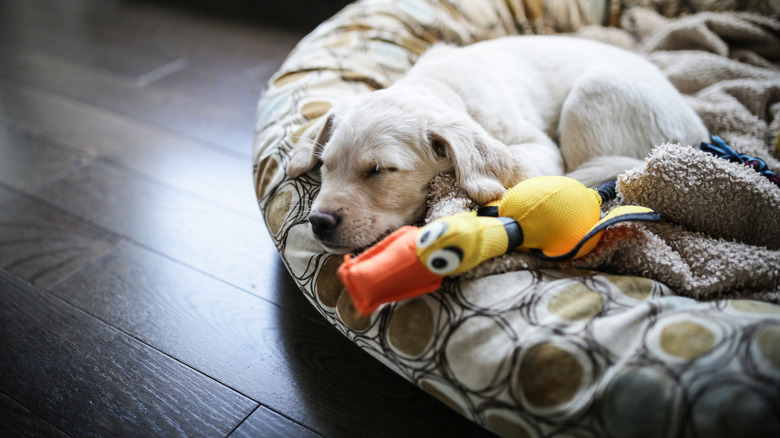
[140, 294]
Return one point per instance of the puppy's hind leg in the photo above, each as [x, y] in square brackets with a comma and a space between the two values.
[621, 118]
[604, 168]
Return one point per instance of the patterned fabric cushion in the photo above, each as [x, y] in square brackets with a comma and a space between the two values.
[526, 353]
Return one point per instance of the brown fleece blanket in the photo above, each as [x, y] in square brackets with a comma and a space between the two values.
[720, 234]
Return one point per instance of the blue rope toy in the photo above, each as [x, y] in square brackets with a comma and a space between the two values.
[719, 148]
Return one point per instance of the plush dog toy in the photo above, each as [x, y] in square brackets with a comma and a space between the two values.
[555, 218]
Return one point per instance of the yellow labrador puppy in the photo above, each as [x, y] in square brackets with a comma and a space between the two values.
[494, 113]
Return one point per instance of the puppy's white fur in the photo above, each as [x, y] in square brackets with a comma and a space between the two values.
[494, 113]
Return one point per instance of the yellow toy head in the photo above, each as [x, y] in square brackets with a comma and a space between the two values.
[457, 243]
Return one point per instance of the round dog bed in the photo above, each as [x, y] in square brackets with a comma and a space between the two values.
[523, 353]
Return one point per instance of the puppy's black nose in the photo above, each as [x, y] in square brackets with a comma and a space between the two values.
[322, 224]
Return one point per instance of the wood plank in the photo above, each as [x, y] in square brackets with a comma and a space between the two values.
[87, 378]
[193, 167]
[288, 363]
[221, 59]
[18, 421]
[268, 424]
[224, 332]
[224, 244]
[26, 162]
[43, 246]
[199, 110]
[106, 29]
[26, 28]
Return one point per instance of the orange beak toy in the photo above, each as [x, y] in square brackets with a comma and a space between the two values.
[388, 271]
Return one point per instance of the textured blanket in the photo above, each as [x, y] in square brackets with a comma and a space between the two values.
[720, 235]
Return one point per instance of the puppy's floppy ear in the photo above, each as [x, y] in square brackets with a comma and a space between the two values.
[483, 165]
[310, 145]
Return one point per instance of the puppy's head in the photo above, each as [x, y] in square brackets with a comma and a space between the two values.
[378, 155]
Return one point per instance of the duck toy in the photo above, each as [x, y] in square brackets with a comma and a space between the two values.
[555, 218]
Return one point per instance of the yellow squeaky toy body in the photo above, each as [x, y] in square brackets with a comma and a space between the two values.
[554, 217]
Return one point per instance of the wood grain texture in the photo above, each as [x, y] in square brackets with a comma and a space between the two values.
[28, 27]
[105, 31]
[224, 244]
[241, 341]
[42, 245]
[210, 117]
[266, 423]
[18, 421]
[27, 163]
[88, 378]
[148, 151]
[233, 65]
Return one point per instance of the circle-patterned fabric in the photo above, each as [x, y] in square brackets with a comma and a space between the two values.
[526, 353]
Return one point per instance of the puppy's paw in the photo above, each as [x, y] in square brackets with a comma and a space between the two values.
[483, 190]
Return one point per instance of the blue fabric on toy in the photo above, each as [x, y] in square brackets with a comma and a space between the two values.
[719, 148]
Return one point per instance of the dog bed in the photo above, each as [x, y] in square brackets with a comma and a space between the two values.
[664, 330]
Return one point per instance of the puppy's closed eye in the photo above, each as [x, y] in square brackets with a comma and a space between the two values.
[376, 170]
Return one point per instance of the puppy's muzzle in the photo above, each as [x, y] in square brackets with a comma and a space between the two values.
[323, 224]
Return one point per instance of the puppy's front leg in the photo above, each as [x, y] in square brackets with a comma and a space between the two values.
[536, 158]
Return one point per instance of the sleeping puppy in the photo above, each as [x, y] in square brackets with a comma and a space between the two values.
[494, 113]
